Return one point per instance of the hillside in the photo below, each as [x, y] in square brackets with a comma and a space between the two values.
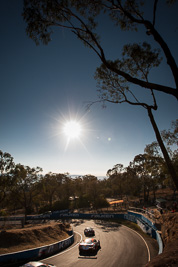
[169, 234]
[32, 236]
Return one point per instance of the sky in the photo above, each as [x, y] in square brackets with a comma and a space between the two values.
[44, 87]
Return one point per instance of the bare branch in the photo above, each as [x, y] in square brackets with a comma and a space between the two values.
[154, 11]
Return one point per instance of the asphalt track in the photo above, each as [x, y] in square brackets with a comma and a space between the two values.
[120, 247]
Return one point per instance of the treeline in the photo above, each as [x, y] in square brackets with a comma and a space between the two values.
[23, 187]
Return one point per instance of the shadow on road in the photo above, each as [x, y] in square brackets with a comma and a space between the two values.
[77, 222]
[87, 257]
[108, 226]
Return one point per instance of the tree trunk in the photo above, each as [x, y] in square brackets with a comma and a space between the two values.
[163, 149]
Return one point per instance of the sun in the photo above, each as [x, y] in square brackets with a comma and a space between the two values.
[72, 129]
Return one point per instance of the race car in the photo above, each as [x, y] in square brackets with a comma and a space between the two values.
[89, 246]
[89, 231]
[37, 264]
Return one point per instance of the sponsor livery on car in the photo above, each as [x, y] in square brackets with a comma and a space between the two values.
[89, 231]
[89, 246]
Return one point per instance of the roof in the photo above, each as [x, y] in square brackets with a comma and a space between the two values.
[116, 201]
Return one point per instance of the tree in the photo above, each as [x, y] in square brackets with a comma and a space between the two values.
[132, 183]
[170, 138]
[50, 187]
[25, 189]
[80, 17]
[123, 181]
[148, 169]
[115, 77]
[6, 179]
[91, 189]
[116, 180]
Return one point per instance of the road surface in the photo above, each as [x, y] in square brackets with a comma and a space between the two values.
[120, 247]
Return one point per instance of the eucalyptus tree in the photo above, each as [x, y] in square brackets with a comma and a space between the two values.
[25, 188]
[115, 77]
[49, 187]
[6, 179]
[67, 187]
[78, 185]
[116, 180]
[79, 199]
[131, 182]
[138, 60]
[91, 188]
[51, 191]
[170, 138]
[123, 181]
[140, 162]
[106, 188]
[149, 171]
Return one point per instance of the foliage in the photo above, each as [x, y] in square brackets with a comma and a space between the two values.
[6, 179]
[82, 17]
[31, 191]
[170, 137]
[6, 162]
[116, 78]
[25, 190]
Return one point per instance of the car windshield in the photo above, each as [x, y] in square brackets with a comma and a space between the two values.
[88, 241]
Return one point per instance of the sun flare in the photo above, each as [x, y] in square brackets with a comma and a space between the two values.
[72, 129]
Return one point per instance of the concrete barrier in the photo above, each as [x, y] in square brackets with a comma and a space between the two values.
[21, 257]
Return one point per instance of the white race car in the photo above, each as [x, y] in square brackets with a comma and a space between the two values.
[89, 246]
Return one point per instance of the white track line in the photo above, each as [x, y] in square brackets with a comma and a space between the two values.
[66, 250]
[141, 238]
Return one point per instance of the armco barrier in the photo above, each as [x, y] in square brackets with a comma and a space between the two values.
[37, 253]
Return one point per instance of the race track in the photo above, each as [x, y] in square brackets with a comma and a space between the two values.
[120, 247]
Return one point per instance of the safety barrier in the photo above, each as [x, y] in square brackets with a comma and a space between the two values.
[21, 257]
[147, 226]
[144, 223]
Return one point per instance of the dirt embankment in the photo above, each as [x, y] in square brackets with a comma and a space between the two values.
[32, 236]
[169, 235]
